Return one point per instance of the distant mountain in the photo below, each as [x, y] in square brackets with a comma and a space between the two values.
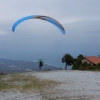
[12, 66]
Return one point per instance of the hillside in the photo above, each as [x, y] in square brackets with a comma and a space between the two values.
[11, 66]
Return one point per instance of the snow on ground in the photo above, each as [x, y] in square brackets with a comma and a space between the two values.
[74, 85]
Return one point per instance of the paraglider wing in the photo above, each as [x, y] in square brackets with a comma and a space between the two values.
[46, 18]
[19, 21]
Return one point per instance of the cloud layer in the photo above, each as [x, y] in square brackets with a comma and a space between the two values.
[35, 39]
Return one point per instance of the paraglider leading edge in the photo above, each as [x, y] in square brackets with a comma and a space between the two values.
[46, 18]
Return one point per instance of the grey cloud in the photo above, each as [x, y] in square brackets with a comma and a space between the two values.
[35, 38]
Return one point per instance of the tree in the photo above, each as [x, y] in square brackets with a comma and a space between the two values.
[80, 57]
[68, 59]
[76, 63]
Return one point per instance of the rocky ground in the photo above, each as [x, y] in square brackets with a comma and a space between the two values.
[54, 85]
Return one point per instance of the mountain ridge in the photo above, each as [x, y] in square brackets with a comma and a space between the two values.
[12, 66]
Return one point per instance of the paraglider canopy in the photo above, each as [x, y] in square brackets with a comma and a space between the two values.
[46, 18]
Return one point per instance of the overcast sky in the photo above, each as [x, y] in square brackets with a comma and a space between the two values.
[38, 39]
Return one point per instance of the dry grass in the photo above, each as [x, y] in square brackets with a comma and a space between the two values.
[25, 83]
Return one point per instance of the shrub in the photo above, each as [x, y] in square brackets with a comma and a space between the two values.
[2, 73]
[98, 66]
